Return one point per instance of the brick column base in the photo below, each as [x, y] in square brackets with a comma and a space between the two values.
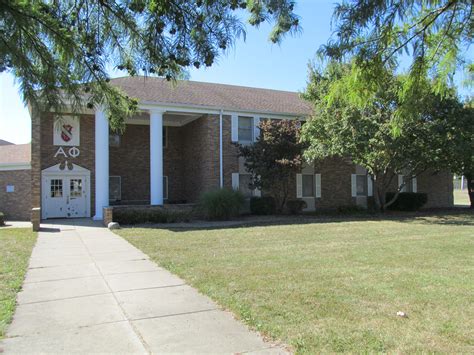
[36, 218]
[108, 215]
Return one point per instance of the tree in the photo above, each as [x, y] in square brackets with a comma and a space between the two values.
[365, 134]
[457, 126]
[433, 35]
[274, 158]
[61, 51]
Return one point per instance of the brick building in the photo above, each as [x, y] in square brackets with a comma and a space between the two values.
[179, 145]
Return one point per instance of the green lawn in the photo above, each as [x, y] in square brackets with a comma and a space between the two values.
[15, 250]
[461, 198]
[335, 285]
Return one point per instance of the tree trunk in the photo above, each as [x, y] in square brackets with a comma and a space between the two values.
[470, 188]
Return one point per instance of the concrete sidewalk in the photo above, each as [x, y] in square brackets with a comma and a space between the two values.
[89, 291]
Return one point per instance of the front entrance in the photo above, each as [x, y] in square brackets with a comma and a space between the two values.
[65, 193]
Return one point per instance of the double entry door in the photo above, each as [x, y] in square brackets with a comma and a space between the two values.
[65, 196]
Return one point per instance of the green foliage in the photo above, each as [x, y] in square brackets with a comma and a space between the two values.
[407, 201]
[262, 205]
[295, 206]
[2, 219]
[139, 215]
[365, 134]
[275, 158]
[351, 209]
[436, 35]
[222, 204]
[62, 49]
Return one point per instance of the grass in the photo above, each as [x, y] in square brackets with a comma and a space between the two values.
[335, 285]
[461, 197]
[15, 250]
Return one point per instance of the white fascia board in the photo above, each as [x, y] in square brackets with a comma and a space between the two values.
[15, 166]
[215, 110]
[167, 107]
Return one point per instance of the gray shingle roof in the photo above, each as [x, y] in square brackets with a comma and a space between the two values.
[227, 97]
[3, 142]
[15, 153]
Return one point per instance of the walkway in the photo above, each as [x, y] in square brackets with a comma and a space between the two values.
[88, 290]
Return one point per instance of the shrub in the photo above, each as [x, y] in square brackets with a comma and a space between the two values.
[2, 219]
[295, 206]
[221, 204]
[145, 215]
[407, 201]
[262, 205]
[350, 209]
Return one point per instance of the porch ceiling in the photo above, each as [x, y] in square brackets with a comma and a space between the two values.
[176, 119]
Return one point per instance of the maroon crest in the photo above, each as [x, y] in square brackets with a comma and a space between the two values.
[66, 132]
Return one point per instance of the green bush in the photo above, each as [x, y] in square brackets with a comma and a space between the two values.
[406, 201]
[221, 204]
[262, 205]
[2, 219]
[145, 215]
[350, 209]
[295, 206]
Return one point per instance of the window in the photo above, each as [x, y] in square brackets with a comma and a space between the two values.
[308, 185]
[245, 129]
[115, 188]
[56, 188]
[165, 187]
[361, 185]
[75, 188]
[244, 184]
[114, 139]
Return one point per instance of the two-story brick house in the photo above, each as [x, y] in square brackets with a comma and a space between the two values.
[179, 145]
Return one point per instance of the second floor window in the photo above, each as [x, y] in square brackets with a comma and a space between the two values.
[245, 129]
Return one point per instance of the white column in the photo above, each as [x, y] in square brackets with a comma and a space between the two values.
[156, 157]
[101, 162]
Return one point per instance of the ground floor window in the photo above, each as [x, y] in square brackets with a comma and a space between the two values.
[115, 188]
[308, 185]
[361, 185]
[244, 185]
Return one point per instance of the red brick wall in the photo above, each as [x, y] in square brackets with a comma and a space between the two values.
[16, 205]
[86, 159]
[191, 162]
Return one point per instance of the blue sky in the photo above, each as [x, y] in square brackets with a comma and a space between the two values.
[256, 62]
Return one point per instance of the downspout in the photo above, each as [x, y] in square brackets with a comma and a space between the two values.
[221, 166]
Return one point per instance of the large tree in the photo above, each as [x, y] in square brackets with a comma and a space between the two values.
[365, 134]
[54, 47]
[275, 158]
[456, 125]
[432, 37]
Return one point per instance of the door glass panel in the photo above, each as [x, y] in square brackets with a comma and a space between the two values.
[56, 188]
[75, 188]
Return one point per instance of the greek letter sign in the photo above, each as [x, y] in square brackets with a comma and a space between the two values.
[66, 130]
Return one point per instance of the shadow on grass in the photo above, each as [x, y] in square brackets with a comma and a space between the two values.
[453, 216]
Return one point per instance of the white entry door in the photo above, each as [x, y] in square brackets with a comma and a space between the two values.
[65, 195]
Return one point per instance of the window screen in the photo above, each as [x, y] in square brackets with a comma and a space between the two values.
[115, 188]
[244, 184]
[361, 185]
[245, 129]
[308, 185]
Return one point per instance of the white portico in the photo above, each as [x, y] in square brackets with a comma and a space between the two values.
[102, 159]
